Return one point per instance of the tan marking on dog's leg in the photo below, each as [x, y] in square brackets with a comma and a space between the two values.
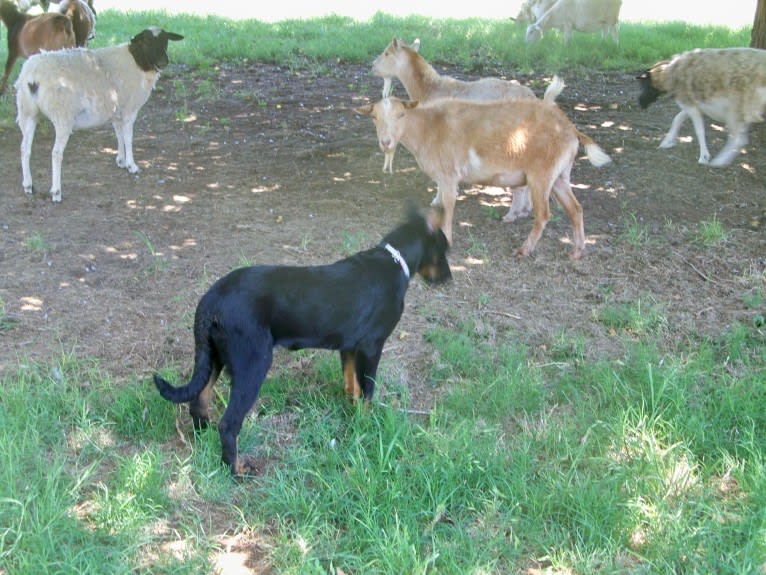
[351, 383]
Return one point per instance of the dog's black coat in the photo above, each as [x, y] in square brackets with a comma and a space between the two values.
[352, 305]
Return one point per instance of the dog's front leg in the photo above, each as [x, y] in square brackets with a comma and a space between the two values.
[367, 370]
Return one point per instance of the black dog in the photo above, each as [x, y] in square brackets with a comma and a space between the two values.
[352, 305]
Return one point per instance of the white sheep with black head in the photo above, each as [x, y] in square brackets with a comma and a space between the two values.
[83, 88]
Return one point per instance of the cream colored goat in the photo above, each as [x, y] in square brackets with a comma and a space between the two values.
[580, 15]
[505, 143]
[531, 10]
[727, 84]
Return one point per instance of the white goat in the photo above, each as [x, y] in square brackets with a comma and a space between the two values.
[82, 88]
[499, 143]
[531, 10]
[727, 84]
[581, 15]
[423, 83]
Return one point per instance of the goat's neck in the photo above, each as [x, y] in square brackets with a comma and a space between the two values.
[547, 14]
[418, 77]
[422, 136]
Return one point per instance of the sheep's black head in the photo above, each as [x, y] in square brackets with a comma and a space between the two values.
[150, 48]
[649, 90]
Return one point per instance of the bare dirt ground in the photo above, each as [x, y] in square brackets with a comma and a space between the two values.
[261, 164]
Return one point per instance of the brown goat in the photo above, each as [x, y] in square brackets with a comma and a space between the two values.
[30, 34]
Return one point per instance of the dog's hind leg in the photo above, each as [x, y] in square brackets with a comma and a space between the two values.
[249, 366]
[351, 382]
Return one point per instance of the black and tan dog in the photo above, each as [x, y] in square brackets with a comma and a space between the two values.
[352, 305]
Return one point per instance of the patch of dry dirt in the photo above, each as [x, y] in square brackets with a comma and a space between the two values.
[272, 166]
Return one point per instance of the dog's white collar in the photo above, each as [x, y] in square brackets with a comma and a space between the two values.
[398, 259]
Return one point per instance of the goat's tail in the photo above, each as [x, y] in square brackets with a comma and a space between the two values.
[553, 90]
[596, 155]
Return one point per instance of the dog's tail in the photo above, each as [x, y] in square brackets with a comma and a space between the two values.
[203, 369]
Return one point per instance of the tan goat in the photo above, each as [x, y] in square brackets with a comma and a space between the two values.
[423, 83]
[506, 143]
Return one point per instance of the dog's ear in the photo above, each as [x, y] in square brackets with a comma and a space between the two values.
[434, 218]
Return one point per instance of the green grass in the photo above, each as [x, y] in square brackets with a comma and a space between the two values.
[648, 461]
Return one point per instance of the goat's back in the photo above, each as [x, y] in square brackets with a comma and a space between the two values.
[44, 33]
[526, 134]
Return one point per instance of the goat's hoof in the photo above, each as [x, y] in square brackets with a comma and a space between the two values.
[56, 198]
[29, 190]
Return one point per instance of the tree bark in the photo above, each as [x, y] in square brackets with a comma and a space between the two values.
[758, 34]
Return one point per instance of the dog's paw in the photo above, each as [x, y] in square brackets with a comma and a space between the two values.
[248, 466]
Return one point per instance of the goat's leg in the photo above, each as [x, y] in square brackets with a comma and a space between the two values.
[8, 68]
[572, 207]
[388, 161]
[446, 196]
[28, 124]
[738, 138]
[521, 205]
[540, 191]
[57, 156]
[699, 129]
[675, 126]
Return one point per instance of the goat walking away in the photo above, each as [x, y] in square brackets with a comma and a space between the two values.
[351, 306]
[29, 34]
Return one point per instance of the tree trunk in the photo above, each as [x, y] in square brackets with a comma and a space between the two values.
[758, 34]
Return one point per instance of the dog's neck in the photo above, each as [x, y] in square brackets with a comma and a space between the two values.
[398, 259]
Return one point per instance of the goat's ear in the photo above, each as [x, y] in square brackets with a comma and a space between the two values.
[364, 110]
[643, 75]
[416, 45]
[410, 104]
[173, 36]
